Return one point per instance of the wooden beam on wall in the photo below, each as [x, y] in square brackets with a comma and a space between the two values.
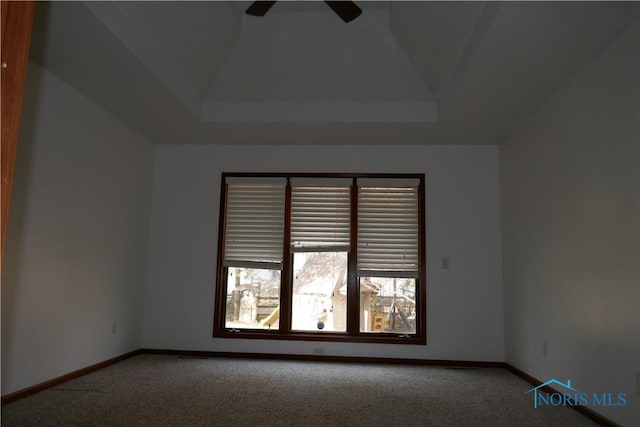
[17, 22]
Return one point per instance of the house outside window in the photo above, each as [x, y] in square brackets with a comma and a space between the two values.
[338, 257]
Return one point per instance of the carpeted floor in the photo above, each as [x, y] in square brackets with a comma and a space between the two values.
[158, 390]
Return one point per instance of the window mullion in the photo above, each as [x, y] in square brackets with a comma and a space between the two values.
[353, 297]
[286, 287]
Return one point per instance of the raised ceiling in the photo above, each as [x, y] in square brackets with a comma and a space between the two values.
[402, 73]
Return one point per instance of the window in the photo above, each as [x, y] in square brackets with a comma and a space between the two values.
[322, 257]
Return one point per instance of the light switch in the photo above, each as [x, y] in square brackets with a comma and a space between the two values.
[445, 263]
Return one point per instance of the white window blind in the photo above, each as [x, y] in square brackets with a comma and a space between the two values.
[320, 218]
[388, 230]
[254, 228]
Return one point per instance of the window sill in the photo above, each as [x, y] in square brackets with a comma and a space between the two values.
[379, 338]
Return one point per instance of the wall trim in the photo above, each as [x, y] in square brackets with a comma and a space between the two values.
[587, 412]
[7, 398]
[318, 358]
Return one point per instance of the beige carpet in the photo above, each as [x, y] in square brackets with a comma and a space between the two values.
[153, 390]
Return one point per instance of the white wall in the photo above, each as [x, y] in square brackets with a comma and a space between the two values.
[463, 222]
[570, 209]
[77, 239]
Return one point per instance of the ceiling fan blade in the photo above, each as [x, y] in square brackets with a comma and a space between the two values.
[259, 8]
[346, 10]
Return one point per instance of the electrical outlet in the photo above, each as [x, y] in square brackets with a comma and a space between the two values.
[545, 348]
[114, 328]
[445, 263]
[318, 351]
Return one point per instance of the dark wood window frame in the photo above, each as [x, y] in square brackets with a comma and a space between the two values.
[353, 333]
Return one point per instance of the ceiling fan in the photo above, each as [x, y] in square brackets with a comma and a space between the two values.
[346, 10]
